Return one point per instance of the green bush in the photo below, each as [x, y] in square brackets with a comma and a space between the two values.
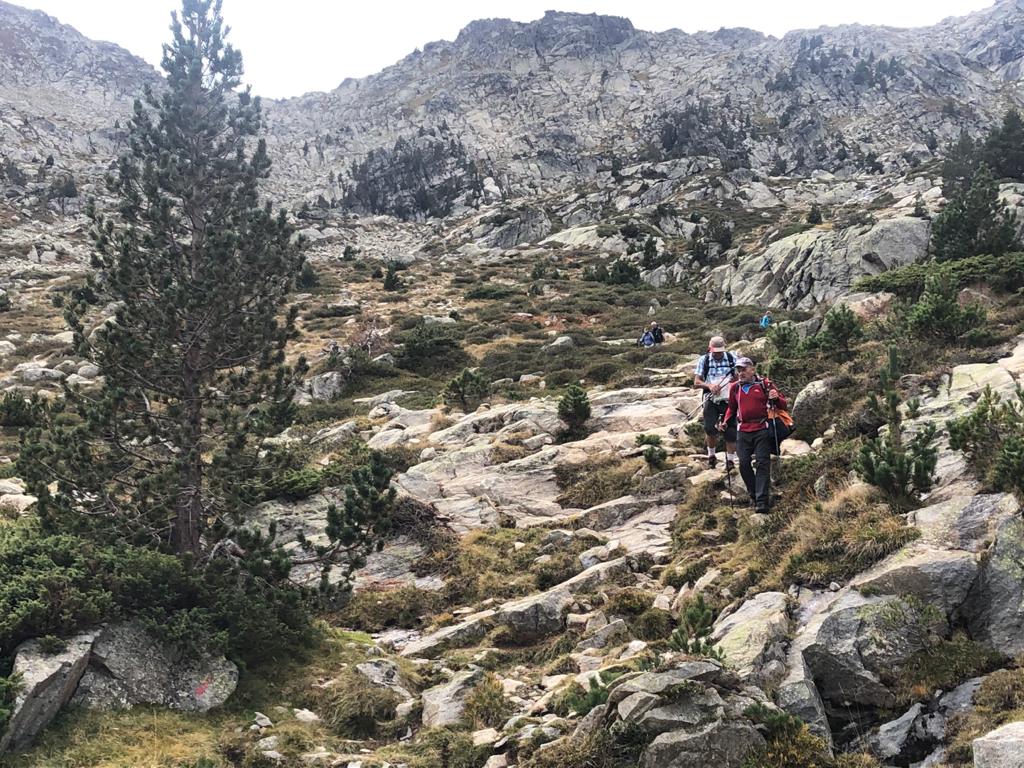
[466, 390]
[840, 329]
[16, 410]
[937, 314]
[308, 278]
[488, 292]
[430, 349]
[1001, 273]
[693, 635]
[992, 438]
[392, 282]
[902, 472]
[6, 305]
[574, 410]
[59, 584]
[581, 700]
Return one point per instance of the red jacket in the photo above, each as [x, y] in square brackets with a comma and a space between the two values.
[751, 407]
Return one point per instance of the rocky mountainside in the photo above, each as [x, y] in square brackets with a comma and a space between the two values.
[545, 104]
[488, 223]
[560, 132]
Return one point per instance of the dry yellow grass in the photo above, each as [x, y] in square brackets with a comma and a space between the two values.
[139, 738]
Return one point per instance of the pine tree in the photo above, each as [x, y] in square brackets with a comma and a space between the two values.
[814, 216]
[574, 409]
[650, 258]
[974, 222]
[466, 388]
[194, 357]
[1004, 148]
[392, 282]
[959, 165]
[901, 471]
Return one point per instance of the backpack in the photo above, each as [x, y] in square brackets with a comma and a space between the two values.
[647, 340]
[705, 364]
[781, 423]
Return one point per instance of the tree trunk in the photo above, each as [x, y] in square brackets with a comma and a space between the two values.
[188, 518]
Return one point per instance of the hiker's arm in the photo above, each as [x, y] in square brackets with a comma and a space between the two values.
[732, 407]
[699, 383]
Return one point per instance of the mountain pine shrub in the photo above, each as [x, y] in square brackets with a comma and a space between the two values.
[992, 438]
[901, 470]
[574, 410]
[467, 389]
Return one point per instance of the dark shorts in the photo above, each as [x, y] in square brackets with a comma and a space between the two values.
[713, 413]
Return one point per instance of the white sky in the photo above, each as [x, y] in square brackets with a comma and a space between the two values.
[291, 47]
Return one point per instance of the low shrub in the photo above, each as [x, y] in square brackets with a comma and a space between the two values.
[999, 700]
[16, 410]
[628, 602]
[576, 698]
[561, 567]
[374, 610]
[59, 584]
[1001, 273]
[944, 666]
[595, 482]
[652, 624]
[574, 410]
[937, 313]
[790, 743]
[486, 706]
[992, 438]
[354, 708]
[430, 349]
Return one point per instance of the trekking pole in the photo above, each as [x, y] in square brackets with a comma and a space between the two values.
[728, 484]
[773, 417]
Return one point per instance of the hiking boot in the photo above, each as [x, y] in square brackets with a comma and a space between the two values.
[712, 461]
[761, 509]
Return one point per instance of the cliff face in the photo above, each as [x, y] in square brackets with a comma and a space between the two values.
[543, 105]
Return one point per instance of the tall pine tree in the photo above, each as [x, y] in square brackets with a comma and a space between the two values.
[975, 221]
[193, 358]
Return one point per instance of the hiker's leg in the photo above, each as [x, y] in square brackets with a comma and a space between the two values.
[744, 448]
[762, 449]
[711, 417]
[730, 442]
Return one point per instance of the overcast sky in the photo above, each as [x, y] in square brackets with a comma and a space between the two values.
[291, 47]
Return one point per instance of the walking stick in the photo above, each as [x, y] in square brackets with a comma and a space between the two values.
[728, 484]
[773, 416]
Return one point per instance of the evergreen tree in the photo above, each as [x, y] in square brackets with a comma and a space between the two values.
[974, 222]
[650, 258]
[466, 388]
[901, 471]
[574, 409]
[194, 356]
[1004, 148]
[392, 282]
[937, 314]
[814, 215]
[841, 327]
[959, 166]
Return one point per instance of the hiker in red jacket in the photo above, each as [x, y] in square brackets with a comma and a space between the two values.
[750, 401]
